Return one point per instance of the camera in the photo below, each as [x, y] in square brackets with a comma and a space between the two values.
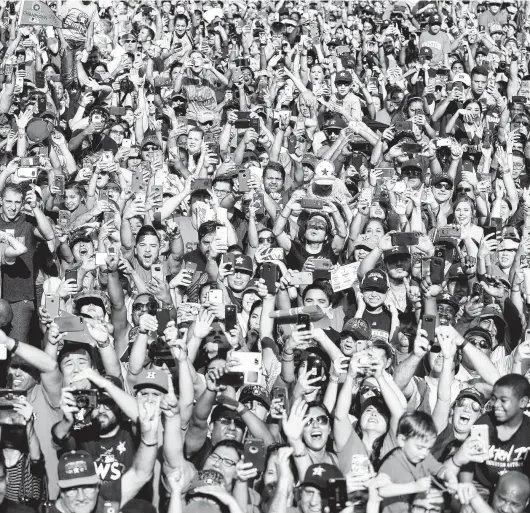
[87, 399]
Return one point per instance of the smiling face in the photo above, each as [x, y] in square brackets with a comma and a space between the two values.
[373, 298]
[272, 180]
[463, 213]
[83, 250]
[72, 199]
[20, 379]
[506, 404]
[147, 250]
[226, 429]
[446, 314]
[373, 421]
[466, 411]
[73, 363]
[82, 499]
[238, 281]
[194, 142]
[224, 460]
[316, 432]
[442, 191]
[11, 204]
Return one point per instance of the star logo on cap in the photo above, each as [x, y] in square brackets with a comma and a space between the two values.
[239, 260]
[318, 471]
[150, 375]
[376, 277]
[395, 250]
[333, 122]
[459, 270]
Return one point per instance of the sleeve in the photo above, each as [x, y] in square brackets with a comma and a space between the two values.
[446, 47]
[432, 465]
[3, 248]
[110, 491]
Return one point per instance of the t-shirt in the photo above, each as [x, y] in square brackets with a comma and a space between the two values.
[18, 280]
[504, 456]
[401, 471]
[297, 255]
[440, 44]
[380, 323]
[76, 18]
[189, 234]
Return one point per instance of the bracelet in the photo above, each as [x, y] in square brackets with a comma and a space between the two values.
[15, 347]
[243, 411]
[290, 359]
[148, 445]
[301, 455]
[143, 332]
[333, 380]
[464, 344]
[454, 462]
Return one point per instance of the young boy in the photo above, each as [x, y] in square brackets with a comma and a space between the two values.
[411, 465]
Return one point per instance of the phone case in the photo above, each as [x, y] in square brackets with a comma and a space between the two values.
[71, 274]
[243, 181]
[302, 278]
[282, 394]
[304, 321]
[230, 317]
[255, 453]
[337, 495]
[269, 272]
[437, 270]
[52, 305]
[428, 323]
[157, 272]
[70, 324]
[404, 239]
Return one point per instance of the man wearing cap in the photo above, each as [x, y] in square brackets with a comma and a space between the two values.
[345, 97]
[354, 330]
[81, 488]
[88, 140]
[18, 280]
[374, 289]
[493, 15]
[106, 437]
[313, 489]
[435, 39]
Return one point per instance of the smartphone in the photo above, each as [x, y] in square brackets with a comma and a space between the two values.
[201, 183]
[163, 317]
[243, 181]
[254, 452]
[269, 272]
[304, 320]
[428, 323]
[230, 317]
[282, 395]
[337, 494]
[411, 148]
[221, 234]
[60, 183]
[52, 305]
[404, 239]
[386, 172]
[64, 218]
[481, 432]
[157, 272]
[321, 264]
[315, 364]
[450, 231]
[215, 297]
[232, 379]
[137, 184]
[228, 261]
[117, 111]
[27, 173]
[311, 204]
[70, 324]
[302, 278]
[29, 161]
[478, 291]
[101, 258]
[437, 270]
[403, 126]
[71, 274]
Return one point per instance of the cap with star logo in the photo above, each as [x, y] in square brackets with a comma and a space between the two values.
[243, 263]
[358, 329]
[396, 251]
[76, 468]
[335, 123]
[319, 474]
[375, 280]
[448, 299]
[343, 77]
[153, 378]
[456, 272]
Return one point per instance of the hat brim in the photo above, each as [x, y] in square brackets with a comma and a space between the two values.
[79, 481]
[141, 386]
[262, 400]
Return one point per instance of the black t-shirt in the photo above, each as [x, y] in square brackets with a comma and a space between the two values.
[504, 456]
[380, 323]
[18, 280]
[297, 255]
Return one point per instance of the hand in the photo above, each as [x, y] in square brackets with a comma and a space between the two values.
[148, 323]
[293, 426]
[24, 118]
[22, 407]
[447, 344]
[306, 384]
[203, 324]
[245, 471]
[31, 198]
[170, 404]
[68, 404]
[421, 343]
[98, 331]
[423, 484]
[473, 307]
[212, 379]
[149, 418]
[299, 336]
[175, 482]
[285, 476]
[182, 279]
[160, 289]
[67, 288]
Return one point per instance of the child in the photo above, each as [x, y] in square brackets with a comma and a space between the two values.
[411, 465]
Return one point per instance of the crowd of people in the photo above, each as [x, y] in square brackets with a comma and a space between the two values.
[264, 256]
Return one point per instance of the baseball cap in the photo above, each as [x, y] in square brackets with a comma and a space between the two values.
[435, 19]
[472, 393]
[319, 474]
[441, 177]
[223, 412]
[255, 392]
[252, 286]
[477, 330]
[395, 251]
[496, 28]
[335, 123]
[425, 51]
[358, 329]
[151, 139]
[456, 272]
[153, 378]
[343, 77]
[92, 296]
[411, 164]
[464, 78]
[364, 241]
[448, 299]
[243, 263]
[76, 468]
[375, 280]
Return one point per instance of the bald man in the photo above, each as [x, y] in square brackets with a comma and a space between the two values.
[512, 493]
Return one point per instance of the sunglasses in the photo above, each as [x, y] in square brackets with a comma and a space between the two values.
[463, 401]
[436, 349]
[150, 307]
[478, 342]
[321, 420]
[265, 239]
[444, 186]
[464, 189]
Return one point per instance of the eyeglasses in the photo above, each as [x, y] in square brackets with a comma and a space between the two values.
[224, 461]
[467, 401]
[444, 186]
[479, 342]
[143, 307]
[321, 420]
[150, 148]
[220, 192]
[129, 41]
[435, 349]
[265, 239]
[89, 491]
[118, 132]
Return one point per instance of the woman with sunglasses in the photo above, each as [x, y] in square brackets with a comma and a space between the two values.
[464, 212]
